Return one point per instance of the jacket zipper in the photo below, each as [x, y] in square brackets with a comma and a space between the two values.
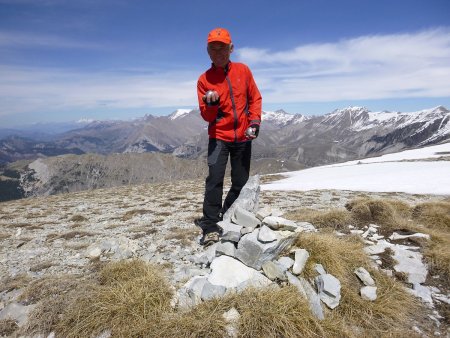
[234, 108]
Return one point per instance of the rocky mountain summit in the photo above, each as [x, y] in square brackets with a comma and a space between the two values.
[269, 244]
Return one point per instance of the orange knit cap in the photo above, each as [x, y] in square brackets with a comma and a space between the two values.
[219, 34]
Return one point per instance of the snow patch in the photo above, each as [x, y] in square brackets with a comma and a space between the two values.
[179, 113]
[279, 117]
[84, 121]
[378, 174]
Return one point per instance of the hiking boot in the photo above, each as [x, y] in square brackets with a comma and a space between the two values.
[208, 226]
[210, 238]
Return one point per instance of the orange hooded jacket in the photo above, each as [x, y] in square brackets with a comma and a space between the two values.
[240, 101]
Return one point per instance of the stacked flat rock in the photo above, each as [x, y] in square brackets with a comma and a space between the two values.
[248, 198]
[247, 255]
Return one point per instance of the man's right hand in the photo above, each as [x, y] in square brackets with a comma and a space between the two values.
[211, 98]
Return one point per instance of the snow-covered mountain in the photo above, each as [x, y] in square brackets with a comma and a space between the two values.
[179, 113]
[356, 132]
[281, 118]
[360, 119]
[343, 134]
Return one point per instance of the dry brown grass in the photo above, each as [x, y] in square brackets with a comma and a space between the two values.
[276, 313]
[142, 231]
[113, 226]
[45, 316]
[264, 313]
[4, 235]
[33, 215]
[48, 287]
[41, 266]
[365, 211]
[205, 320]
[36, 227]
[163, 213]
[143, 228]
[6, 216]
[387, 259]
[130, 300]
[14, 283]
[19, 225]
[389, 314]
[7, 327]
[78, 218]
[434, 215]
[271, 178]
[191, 219]
[184, 235]
[158, 220]
[284, 312]
[138, 235]
[334, 218]
[76, 246]
[340, 256]
[51, 296]
[432, 218]
[131, 213]
[435, 219]
[437, 254]
[69, 235]
[176, 198]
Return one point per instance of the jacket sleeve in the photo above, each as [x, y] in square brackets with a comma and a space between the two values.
[208, 113]
[254, 101]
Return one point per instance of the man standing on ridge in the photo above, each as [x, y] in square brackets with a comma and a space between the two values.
[230, 102]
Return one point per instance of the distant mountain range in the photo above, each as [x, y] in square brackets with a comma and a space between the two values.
[344, 134]
[353, 133]
[174, 146]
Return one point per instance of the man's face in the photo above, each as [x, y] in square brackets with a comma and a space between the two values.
[219, 53]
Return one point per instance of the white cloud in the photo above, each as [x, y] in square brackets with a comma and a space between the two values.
[368, 67]
[27, 90]
[19, 39]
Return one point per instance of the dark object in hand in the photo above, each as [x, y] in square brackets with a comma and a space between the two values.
[210, 103]
[252, 131]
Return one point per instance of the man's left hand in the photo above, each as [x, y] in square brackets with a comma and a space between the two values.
[252, 131]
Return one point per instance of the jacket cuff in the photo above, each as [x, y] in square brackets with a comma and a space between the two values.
[210, 113]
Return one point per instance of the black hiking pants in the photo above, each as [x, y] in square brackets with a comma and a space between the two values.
[218, 153]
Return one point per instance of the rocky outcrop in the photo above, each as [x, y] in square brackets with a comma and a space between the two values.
[253, 260]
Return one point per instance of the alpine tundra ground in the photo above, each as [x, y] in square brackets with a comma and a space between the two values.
[51, 273]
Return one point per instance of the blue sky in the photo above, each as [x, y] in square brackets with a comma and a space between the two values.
[63, 60]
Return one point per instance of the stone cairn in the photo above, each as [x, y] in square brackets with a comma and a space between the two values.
[248, 255]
